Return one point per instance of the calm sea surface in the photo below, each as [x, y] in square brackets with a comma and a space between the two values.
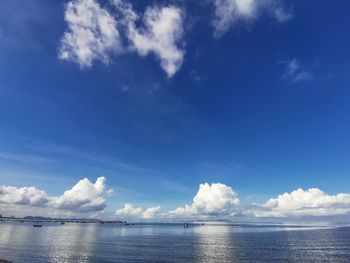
[172, 243]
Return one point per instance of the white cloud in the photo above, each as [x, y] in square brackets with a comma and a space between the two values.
[129, 211]
[151, 212]
[230, 12]
[94, 32]
[214, 199]
[83, 197]
[187, 210]
[91, 33]
[23, 196]
[295, 73]
[161, 33]
[312, 202]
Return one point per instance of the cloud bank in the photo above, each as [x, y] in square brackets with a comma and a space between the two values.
[214, 200]
[312, 202]
[83, 197]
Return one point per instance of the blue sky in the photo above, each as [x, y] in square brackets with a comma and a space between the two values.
[261, 107]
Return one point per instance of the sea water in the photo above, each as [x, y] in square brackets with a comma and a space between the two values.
[173, 243]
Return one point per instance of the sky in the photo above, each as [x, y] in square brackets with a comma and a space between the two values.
[167, 109]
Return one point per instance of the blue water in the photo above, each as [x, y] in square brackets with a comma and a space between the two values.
[173, 243]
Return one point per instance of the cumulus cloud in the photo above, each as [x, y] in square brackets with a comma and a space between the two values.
[312, 202]
[129, 211]
[91, 33]
[211, 200]
[214, 199]
[230, 12]
[162, 36]
[23, 196]
[161, 33]
[295, 73]
[83, 197]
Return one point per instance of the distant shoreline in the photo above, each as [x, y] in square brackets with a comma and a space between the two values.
[31, 219]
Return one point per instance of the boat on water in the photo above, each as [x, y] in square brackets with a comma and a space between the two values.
[62, 223]
[37, 225]
[186, 225]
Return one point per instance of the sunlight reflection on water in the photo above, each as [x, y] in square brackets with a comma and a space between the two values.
[76, 244]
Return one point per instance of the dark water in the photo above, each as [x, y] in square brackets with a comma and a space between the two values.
[172, 243]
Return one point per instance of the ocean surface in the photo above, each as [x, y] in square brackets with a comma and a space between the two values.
[173, 243]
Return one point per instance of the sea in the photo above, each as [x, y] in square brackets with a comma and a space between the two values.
[71, 242]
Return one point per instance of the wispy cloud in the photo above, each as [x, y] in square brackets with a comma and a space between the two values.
[102, 162]
[295, 72]
[229, 13]
[195, 76]
[26, 158]
[174, 186]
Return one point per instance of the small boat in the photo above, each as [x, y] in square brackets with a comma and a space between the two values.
[62, 223]
[186, 225]
[37, 225]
